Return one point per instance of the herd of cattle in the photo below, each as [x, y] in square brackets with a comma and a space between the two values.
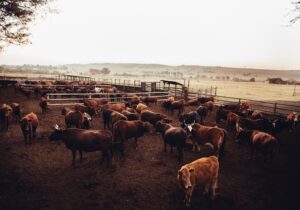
[133, 117]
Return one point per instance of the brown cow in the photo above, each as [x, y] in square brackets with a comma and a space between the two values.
[256, 115]
[202, 172]
[202, 100]
[29, 124]
[151, 117]
[123, 130]
[259, 141]
[84, 140]
[209, 105]
[140, 107]
[231, 120]
[293, 119]
[117, 116]
[206, 135]
[192, 102]
[119, 107]
[16, 109]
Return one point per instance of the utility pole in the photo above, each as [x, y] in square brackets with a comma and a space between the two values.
[294, 93]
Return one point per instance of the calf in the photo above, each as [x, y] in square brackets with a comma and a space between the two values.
[174, 136]
[203, 173]
[84, 140]
[259, 141]
[29, 124]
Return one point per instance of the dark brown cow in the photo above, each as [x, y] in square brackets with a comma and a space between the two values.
[123, 130]
[202, 112]
[202, 100]
[84, 141]
[178, 105]
[259, 124]
[192, 102]
[221, 114]
[150, 100]
[151, 117]
[5, 116]
[43, 104]
[259, 141]
[174, 136]
[131, 116]
[29, 124]
[206, 135]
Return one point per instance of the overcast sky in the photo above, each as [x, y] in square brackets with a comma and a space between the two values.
[239, 33]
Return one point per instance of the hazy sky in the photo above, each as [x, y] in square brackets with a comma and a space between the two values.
[239, 33]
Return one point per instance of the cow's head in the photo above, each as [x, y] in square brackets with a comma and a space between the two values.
[184, 177]
[56, 134]
[26, 125]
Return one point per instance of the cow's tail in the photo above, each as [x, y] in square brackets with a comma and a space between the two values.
[222, 148]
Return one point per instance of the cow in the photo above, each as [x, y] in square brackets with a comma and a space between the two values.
[140, 107]
[203, 173]
[151, 117]
[202, 112]
[123, 130]
[258, 140]
[205, 135]
[259, 124]
[119, 107]
[192, 102]
[73, 118]
[202, 100]
[43, 104]
[231, 120]
[177, 105]
[174, 136]
[86, 124]
[130, 116]
[150, 100]
[106, 116]
[29, 124]
[84, 141]
[91, 110]
[230, 107]
[209, 105]
[16, 111]
[245, 105]
[293, 118]
[221, 114]
[6, 113]
[256, 115]
[189, 118]
[117, 116]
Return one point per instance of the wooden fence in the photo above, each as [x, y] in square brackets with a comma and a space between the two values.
[69, 99]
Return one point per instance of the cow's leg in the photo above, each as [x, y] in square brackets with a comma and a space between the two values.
[74, 156]
[135, 142]
[80, 153]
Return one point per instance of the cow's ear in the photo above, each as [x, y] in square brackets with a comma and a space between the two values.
[191, 170]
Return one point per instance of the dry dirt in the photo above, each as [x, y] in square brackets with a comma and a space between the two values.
[40, 176]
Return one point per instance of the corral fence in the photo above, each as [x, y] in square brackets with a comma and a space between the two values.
[69, 99]
[269, 108]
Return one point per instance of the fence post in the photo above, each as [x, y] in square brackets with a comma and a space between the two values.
[215, 91]
[275, 107]
[239, 101]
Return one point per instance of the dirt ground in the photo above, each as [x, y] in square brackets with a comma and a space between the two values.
[40, 176]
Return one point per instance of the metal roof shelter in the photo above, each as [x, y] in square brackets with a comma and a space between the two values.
[170, 82]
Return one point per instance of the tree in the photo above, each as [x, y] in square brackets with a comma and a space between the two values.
[297, 11]
[15, 15]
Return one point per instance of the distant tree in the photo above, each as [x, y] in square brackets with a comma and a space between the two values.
[14, 18]
[105, 71]
[296, 11]
[252, 79]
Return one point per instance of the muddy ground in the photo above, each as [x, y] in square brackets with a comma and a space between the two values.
[40, 176]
